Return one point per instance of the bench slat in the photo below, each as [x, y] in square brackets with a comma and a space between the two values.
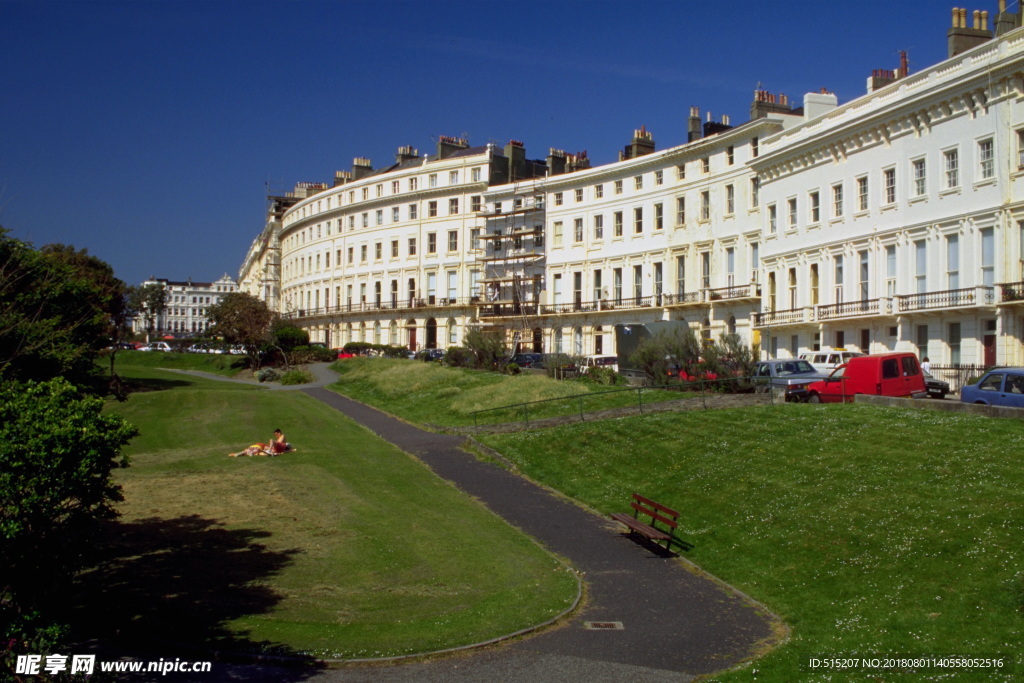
[654, 515]
[656, 505]
[640, 527]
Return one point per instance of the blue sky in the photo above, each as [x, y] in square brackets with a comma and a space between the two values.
[148, 131]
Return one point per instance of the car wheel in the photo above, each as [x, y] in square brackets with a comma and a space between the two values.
[941, 395]
[814, 398]
[980, 403]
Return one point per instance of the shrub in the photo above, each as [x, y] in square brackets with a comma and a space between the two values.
[268, 375]
[487, 347]
[393, 351]
[296, 377]
[605, 376]
[459, 357]
[288, 336]
[311, 354]
[511, 369]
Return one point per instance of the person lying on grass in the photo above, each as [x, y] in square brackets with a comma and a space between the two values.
[277, 446]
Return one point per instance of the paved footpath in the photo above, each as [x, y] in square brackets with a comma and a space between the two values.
[676, 622]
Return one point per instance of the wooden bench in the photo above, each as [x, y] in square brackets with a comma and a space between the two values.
[657, 512]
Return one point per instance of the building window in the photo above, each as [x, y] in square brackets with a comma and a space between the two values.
[366, 220]
[988, 257]
[538, 236]
[577, 230]
[394, 248]
[380, 189]
[598, 191]
[921, 266]
[599, 227]
[953, 262]
[412, 246]
[837, 200]
[755, 147]
[659, 177]
[680, 211]
[432, 209]
[432, 180]
[681, 169]
[755, 192]
[659, 216]
[453, 206]
[705, 205]
[890, 271]
[730, 199]
[730, 155]
[378, 250]
[791, 212]
[394, 214]
[618, 187]
[920, 177]
[556, 229]
[476, 175]
[453, 240]
[380, 216]
[578, 194]
[862, 193]
[638, 220]
[558, 199]
[618, 223]
[814, 199]
[954, 343]
[839, 276]
[453, 177]
[773, 224]
[412, 212]
[638, 182]
[366, 193]
[474, 238]
[889, 183]
[705, 165]
[476, 201]
[864, 272]
[1020, 149]
[362, 253]
[414, 184]
[351, 258]
[986, 160]
[951, 163]
[431, 242]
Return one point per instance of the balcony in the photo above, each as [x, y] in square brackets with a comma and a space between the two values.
[951, 298]
[750, 291]
[852, 309]
[1011, 293]
[785, 317]
[373, 306]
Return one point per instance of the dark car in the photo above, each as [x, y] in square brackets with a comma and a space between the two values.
[528, 360]
[430, 354]
[936, 387]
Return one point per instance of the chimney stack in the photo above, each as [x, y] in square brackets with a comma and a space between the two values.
[642, 143]
[693, 127]
[960, 38]
[361, 167]
[406, 153]
[446, 146]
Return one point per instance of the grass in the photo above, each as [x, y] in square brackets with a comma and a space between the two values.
[871, 531]
[430, 393]
[219, 364]
[348, 548]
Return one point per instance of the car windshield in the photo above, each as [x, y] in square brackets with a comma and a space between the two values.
[794, 367]
[838, 372]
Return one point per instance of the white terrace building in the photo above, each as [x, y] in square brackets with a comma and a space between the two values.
[186, 306]
[894, 221]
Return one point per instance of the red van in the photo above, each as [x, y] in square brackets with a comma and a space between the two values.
[887, 374]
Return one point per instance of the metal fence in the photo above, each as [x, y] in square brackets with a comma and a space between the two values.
[957, 375]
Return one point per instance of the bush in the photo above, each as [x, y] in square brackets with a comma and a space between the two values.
[459, 357]
[511, 369]
[311, 354]
[296, 377]
[393, 351]
[488, 348]
[289, 337]
[268, 375]
[605, 376]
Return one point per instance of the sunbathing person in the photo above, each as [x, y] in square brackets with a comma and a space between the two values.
[276, 446]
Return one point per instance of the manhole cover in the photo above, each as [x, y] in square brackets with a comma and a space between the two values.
[603, 625]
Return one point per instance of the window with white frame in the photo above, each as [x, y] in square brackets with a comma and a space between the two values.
[921, 266]
[432, 180]
[773, 224]
[791, 219]
[394, 187]
[453, 206]
[952, 262]
[659, 177]
[814, 206]
[394, 214]
[889, 185]
[578, 194]
[681, 168]
[951, 167]
[839, 275]
[414, 184]
[920, 171]
[453, 177]
[577, 230]
[730, 199]
[558, 199]
[862, 193]
[599, 227]
[476, 175]
[379, 216]
[618, 187]
[598, 191]
[680, 211]
[556, 234]
[705, 205]
[890, 270]
[659, 216]
[837, 200]
[705, 165]
[1020, 149]
[638, 220]
[453, 240]
[988, 257]
[755, 192]
[617, 219]
[986, 160]
[638, 182]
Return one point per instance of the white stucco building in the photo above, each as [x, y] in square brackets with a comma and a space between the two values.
[186, 306]
[891, 222]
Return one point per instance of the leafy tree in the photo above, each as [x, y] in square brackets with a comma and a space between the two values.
[288, 336]
[241, 318]
[55, 311]
[488, 348]
[57, 451]
[151, 301]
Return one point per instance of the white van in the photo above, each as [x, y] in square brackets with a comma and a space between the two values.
[598, 361]
[829, 359]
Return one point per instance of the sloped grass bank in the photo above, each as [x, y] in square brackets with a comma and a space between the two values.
[347, 548]
[432, 394]
[871, 531]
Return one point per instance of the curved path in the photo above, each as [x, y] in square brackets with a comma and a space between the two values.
[672, 622]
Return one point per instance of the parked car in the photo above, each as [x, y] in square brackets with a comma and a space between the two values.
[430, 354]
[788, 378]
[527, 360]
[829, 359]
[600, 361]
[997, 387]
[937, 388]
[886, 374]
[156, 346]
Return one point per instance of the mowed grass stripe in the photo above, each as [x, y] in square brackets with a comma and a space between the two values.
[383, 557]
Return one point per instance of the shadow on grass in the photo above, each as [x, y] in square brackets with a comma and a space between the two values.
[171, 585]
[658, 548]
[138, 384]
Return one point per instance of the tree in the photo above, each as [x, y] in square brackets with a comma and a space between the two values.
[287, 336]
[241, 318]
[151, 301]
[57, 451]
[487, 347]
[55, 309]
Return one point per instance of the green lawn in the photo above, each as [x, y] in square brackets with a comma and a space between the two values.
[220, 364]
[347, 548]
[432, 394]
[871, 531]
